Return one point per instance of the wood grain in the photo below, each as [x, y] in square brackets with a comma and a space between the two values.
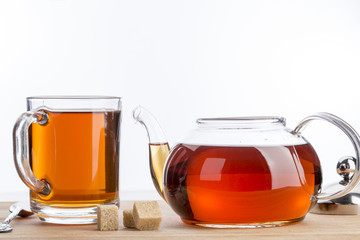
[313, 227]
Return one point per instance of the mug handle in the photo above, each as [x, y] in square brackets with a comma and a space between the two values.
[22, 151]
[355, 140]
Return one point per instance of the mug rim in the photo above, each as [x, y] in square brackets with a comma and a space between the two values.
[79, 97]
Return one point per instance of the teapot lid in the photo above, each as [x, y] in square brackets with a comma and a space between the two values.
[345, 205]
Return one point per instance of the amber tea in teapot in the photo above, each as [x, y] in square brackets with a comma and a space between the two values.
[241, 172]
[255, 184]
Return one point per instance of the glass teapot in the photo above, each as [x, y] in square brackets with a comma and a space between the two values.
[241, 172]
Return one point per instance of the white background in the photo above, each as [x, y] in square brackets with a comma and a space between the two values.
[183, 60]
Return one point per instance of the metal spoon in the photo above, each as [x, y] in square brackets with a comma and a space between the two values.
[21, 209]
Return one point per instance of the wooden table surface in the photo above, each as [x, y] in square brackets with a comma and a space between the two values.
[313, 227]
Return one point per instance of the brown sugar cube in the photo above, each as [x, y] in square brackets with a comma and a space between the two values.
[107, 217]
[128, 218]
[147, 215]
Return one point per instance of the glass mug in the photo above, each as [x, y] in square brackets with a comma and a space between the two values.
[66, 150]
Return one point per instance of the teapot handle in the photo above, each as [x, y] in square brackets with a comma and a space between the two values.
[355, 140]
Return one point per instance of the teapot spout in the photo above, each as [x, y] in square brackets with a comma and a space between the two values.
[158, 146]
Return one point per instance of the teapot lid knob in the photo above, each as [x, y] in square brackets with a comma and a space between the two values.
[345, 168]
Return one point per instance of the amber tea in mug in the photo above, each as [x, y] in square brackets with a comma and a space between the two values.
[74, 153]
[77, 154]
